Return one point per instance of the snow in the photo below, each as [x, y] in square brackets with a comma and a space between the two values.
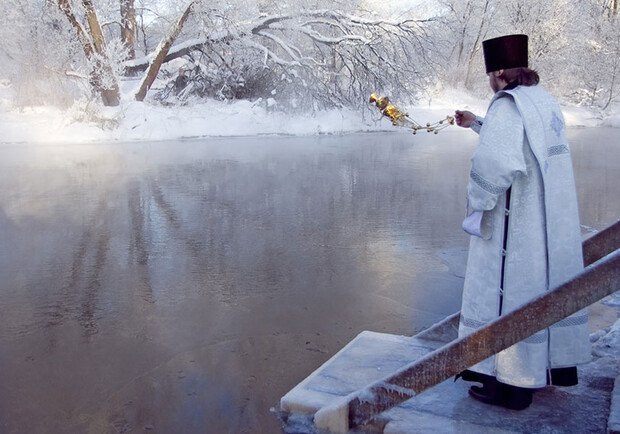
[147, 121]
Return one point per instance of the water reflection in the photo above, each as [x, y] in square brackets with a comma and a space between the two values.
[184, 287]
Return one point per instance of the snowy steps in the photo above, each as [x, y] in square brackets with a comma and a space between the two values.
[446, 407]
[375, 358]
[366, 359]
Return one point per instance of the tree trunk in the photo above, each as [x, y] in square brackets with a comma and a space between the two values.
[94, 50]
[110, 94]
[162, 51]
[95, 28]
[128, 26]
[65, 7]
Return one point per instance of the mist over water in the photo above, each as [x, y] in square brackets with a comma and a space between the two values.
[186, 286]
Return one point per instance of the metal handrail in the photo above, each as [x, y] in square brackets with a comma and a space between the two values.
[594, 248]
[601, 244]
[598, 280]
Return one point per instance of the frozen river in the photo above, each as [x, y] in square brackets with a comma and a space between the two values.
[186, 286]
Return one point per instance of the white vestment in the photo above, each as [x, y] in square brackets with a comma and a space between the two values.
[523, 147]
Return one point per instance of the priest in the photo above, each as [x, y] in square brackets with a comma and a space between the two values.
[524, 225]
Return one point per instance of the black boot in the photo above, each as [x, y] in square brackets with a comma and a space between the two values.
[491, 392]
[517, 398]
[476, 377]
[495, 393]
[562, 376]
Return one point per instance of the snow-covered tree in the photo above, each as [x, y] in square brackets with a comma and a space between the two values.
[36, 51]
[307, 58]
[161, 52]
[465, 24]
[572, 43]
[595, 72]
[306, 54]
[128, 26]
[101, 75]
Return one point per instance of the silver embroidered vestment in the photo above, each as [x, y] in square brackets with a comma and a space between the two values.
[523, 147]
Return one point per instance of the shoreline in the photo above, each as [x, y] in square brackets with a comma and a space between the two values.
[131, 121]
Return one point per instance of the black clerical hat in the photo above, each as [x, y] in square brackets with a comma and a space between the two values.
[505, 52]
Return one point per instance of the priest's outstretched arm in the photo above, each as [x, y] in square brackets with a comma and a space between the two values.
[467, 119]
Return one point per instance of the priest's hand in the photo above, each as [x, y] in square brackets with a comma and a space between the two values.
[464, 118]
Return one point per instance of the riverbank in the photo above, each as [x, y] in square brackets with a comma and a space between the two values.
[86, 122]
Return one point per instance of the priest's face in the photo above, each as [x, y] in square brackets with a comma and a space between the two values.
[496, 83]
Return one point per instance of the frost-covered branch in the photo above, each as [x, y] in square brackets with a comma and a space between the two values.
[340, 51]
[318, 37]
[308, 58]
[140, 64]
[292, 51]
[269, 54]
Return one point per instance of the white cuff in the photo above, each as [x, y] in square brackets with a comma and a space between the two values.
[477, 124]
[473, 224]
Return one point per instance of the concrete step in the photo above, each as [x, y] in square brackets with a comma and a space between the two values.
[591, 406]
[367, 358]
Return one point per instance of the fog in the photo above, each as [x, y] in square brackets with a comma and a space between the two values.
[187, 286]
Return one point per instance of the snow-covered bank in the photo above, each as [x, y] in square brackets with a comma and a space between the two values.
[89, 122]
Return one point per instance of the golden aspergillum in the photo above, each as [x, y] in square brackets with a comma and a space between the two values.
[401, 119]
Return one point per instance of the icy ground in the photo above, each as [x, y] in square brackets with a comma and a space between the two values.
[445, 408]
[132, 121]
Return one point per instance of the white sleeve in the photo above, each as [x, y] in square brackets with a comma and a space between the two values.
[477, 124]
[498, 157]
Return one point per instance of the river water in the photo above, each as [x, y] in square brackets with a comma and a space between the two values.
[186, 286]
